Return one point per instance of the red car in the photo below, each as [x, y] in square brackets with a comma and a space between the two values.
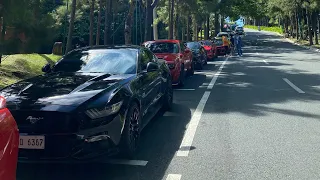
[177, 56]
[9, 143]
[210, 48]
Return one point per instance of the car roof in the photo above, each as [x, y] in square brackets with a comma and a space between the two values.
[165, 41]
[97, 47]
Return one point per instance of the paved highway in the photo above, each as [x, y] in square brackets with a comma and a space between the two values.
[251, 117]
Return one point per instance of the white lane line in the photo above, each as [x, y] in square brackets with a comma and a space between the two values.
[215, 77]
[192, 127]
[184, 89]
[127, 162]
[173, 177]
[265, 61]
[293, 86]
[257, 53]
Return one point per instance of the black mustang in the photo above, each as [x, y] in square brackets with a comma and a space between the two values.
[93, 101]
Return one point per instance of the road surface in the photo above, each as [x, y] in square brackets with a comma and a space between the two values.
[251, 117]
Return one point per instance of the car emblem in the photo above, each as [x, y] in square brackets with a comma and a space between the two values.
[33, 120]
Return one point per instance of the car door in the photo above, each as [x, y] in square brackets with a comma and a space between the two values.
[149, 81]
[186, 57]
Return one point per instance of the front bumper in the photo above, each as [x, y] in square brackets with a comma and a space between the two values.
[83, 145]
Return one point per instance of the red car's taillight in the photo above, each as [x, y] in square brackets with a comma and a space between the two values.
[3, 103]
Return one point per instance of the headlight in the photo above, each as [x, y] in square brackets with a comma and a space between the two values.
[96, 113]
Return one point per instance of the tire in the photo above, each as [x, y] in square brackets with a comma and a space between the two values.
[182, 76]
[168, 97]
[199, 66]
[131, 132]
[191, 70]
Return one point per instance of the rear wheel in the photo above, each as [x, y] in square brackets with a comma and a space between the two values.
[131, 132]
[168, 97]
[191, 70]
[182, 76]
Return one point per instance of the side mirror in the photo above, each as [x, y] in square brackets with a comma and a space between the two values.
[46, 68]
[151, 66]
[187, 51]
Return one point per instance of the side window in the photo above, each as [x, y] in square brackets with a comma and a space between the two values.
[144, 59]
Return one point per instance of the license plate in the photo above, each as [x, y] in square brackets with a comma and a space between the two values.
[31, 142]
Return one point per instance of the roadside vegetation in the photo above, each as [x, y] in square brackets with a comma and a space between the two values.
[21, 66]
[265, 28]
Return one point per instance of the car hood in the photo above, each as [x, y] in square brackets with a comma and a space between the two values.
[63, 89]
[167, 56]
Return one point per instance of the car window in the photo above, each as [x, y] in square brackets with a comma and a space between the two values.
[113, 61]
[163, 47]
[193, 45]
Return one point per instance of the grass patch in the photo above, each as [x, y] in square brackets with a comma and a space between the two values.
[20, 66]
[265, 28]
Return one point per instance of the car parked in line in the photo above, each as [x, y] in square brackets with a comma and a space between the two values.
[199, 54]
[220, 49]
[94, 101]
[177, 56]
[239, 30]
[210, 48]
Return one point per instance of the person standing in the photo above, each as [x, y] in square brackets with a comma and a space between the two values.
[239, 44]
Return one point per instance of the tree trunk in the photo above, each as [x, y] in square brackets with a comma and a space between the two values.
[71, 26]
[155, 25]
[129, 22]
[147, 21]
[171, 19]
[309, 28]
[99, 23]
[3, 33]
[207, 27]
[194, 28]
[314, 26]
[188, 28]
[91, 22]
[176, 22]
[106, 22]
[216, 23]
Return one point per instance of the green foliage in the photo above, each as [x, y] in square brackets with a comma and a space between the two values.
[265, 28]
[20, 66]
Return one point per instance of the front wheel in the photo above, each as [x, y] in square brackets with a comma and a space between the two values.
[131, 132]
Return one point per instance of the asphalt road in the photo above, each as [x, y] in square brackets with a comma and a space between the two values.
[251, 117]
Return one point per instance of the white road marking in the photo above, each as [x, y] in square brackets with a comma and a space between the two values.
[257, 53]
[184, 89]
[265, 61]
[215, 77]
[293, 86]
[192, 127]
[173, 177]
[127, 162]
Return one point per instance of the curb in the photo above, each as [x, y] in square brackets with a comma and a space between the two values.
[305, 47]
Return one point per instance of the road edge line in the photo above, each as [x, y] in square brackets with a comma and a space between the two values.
[215, 77]
[293, 86]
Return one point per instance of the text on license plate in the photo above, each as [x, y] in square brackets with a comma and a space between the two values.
[31, 142]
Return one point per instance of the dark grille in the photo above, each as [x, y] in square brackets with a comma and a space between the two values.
[50, 122]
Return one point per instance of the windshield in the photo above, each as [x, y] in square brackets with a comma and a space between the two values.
[193, 45]
[206, 43]
[163, 47]
[113, 61]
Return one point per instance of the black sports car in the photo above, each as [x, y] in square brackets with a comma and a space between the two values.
[93, 101]
[199, 54]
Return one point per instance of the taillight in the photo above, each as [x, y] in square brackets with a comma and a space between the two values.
[3, 103]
